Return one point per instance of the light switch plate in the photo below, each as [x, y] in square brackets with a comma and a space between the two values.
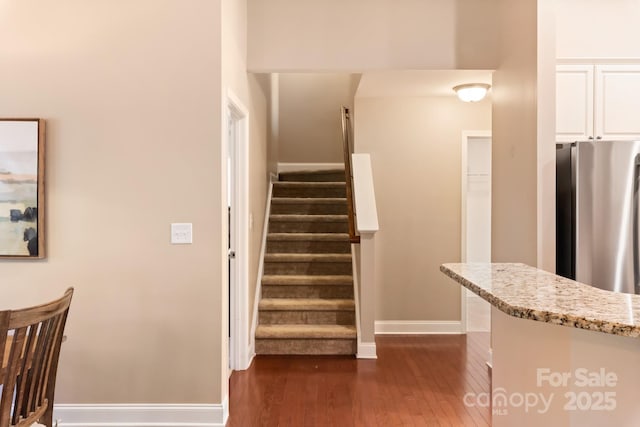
[181, 233]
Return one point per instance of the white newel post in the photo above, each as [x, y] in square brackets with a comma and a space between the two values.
[367, 226]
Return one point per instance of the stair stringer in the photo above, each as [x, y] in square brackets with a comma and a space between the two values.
[263, 251]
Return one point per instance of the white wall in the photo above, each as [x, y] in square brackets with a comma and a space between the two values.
[415, 151]
[597, 28]
[309, 128]
[293, 35]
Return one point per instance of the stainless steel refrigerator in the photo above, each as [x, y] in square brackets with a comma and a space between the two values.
[597, 213]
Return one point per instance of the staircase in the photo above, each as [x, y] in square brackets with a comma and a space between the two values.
[307, 304]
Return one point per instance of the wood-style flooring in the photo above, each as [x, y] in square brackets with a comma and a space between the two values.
[416, 381]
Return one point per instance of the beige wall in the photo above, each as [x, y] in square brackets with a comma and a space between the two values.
[309, 129]
[514, 129]
[251, 90]
[415, 146]
[598, 29]
[131, 94]
[546, 134]
[293, 35]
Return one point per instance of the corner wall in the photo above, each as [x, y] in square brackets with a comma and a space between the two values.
[251, 90]
[309, 128]
[523, 162]
[514, 154]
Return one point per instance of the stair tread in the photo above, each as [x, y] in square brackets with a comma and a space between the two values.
[313, 171]
[307, 304]
[310, 200]
[307, 257]
[314, 184]
[308, 218]
[305, 331]
[333, 237]
[279, 279]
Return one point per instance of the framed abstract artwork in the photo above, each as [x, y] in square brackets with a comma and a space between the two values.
[22, 204]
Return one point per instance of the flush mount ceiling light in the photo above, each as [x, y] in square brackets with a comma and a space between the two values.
[471, 92]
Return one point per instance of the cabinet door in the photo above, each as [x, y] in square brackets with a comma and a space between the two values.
[574, 102]
[617, 101]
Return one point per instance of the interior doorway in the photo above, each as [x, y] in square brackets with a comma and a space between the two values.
[237, 192]
[476, 222]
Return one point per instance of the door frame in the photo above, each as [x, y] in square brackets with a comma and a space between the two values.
[466, 136]
[237, 298]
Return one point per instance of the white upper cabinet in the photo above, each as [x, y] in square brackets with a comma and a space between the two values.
[597, 101]
[574, 102]
[617, 107]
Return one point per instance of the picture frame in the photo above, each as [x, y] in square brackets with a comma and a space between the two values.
[22, 185]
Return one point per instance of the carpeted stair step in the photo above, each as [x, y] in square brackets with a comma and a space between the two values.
[291, 286]
[309, 205]
[306, 339]
[309, 189]
[308, 264]
[308, 224]
[274, 311]
[307, 299]
[333, 175]
[308, 243]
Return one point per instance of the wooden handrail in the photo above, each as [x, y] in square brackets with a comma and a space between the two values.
[348, 149]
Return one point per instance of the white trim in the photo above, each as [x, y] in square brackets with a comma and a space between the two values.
[364, 195]
[263, 250]
[299, 167]
[141, 415]
[466, 135]
[356, 293]
[597, 61]
[239, 353]
[367, 350]
[417, 327]
[225, 410]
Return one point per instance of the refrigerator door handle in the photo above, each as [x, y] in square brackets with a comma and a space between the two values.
[636, 261]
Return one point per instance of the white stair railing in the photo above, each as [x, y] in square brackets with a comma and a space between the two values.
[366, 216]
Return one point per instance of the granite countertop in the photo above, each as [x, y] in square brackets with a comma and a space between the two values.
[529, 293]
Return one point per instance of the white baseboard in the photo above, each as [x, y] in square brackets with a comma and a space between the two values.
[367, 350]
[418, 327]
[142, 415]
[296, 167]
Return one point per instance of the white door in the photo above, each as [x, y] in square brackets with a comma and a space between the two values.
[232, 236]
[237, 148]
[477, 227]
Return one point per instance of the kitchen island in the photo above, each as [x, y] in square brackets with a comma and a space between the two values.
[564, 353]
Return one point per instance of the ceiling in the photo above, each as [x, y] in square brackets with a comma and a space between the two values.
[417, 82]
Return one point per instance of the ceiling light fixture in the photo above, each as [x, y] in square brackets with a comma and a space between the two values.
[471, 92]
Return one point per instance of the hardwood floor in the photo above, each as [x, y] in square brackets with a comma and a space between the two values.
[416, 381]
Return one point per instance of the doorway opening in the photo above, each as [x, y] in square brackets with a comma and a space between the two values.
[237, 191]
[476, 222]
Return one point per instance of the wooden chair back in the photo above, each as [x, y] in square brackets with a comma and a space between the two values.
[30, 340]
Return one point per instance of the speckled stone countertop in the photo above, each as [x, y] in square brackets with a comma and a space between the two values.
[529, 293]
